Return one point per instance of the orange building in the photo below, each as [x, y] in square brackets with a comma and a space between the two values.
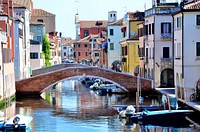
[89, 51]
[92, 27]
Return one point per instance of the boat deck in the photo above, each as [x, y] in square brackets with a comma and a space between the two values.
[195, 105]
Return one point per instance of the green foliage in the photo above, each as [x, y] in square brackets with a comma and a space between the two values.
[46, 50]
[7, 102]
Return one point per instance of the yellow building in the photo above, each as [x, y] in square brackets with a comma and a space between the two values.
[130, 42]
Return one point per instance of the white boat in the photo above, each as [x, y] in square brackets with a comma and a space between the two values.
[2, 120]
[18, 122]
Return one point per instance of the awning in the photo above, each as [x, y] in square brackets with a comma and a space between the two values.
[105, 44]
[116, 62]
[123, 29]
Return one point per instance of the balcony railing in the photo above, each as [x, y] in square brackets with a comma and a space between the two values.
[163, 60]
[166, 36]
[161, 10]
[166, 63]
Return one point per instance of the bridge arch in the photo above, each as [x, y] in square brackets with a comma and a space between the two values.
[37, 84]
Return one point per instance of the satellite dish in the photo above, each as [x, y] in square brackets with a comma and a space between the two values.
[132, 33]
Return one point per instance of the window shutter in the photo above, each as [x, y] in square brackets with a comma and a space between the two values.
[162, 27]
[169, 27]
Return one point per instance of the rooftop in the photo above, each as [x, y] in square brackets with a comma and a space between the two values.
[23, 3]
[90, 24]
[40, 12]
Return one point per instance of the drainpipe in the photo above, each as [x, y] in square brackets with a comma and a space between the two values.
[154, 67]
[182, 45]
[173, 44]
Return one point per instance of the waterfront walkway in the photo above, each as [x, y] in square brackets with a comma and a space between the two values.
[195, 105]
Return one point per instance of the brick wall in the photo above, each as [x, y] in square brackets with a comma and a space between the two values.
[36, 84]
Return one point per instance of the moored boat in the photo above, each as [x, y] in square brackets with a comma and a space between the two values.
[147, 116]
[18, 122]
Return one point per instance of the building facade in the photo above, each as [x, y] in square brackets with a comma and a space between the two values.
[130, 42]
[36, 58]
[39, 15]
[22, 10]
[187, 50]
[158, 44]
[7, 49]
[114, 36]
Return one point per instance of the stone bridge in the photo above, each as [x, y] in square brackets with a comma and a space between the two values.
[45, 77]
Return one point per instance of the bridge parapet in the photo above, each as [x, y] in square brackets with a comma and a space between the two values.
[55, 68]
[37, 84]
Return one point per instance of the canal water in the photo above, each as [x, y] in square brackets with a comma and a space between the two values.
[71, 107]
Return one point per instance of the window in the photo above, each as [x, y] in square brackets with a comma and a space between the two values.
[111, 46]
[198, 20]
[152, 28]
[64, 48]
[34, 55]
[86, 33]
[86, 53]
[79, 53]
[65, 54]
[177, 49]
[146, 30]
[165, 27]
[178, 22]
[85, 45]
[198, 49]
[40, 20]
[39, 38]
[165, 52]
[20, 32]
[111, 32]
[94, 45]
[96, 54]
[149, 29]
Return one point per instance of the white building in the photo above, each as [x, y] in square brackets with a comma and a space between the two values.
[23, 10]
[20, 49]
[158, 44]
[187, 50]
[67, 51]
[114, 37]
[36, 58]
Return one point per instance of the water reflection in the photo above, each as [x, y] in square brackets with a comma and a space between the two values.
[69, 106]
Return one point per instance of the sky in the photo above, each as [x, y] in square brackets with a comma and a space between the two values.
[65, 11]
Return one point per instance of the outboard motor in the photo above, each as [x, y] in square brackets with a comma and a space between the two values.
[15, 122]
[130, 111]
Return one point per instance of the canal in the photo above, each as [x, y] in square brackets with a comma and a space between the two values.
[69, 106]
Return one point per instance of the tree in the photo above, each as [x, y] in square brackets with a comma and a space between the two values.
[46, 50]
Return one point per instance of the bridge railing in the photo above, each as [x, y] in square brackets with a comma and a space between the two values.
[43, 70]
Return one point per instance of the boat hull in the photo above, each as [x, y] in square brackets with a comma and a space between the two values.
[161, 115]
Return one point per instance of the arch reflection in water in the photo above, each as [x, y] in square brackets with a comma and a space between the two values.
[72, 107]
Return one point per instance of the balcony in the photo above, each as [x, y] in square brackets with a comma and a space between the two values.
[166, 63]
[161, 10]
[166, 36]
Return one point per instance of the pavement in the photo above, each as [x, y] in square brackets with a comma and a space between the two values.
[195, 105]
